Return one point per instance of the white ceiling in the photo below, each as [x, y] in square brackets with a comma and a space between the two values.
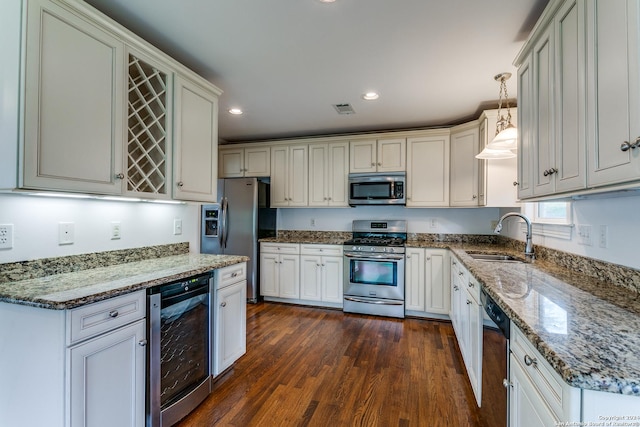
[286, 62]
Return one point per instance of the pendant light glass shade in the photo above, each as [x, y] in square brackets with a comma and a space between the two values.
[489, 153]
[507, 139]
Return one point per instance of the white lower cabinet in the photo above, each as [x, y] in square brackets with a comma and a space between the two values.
[79, 367]
[466, 315]
[280, 270]
[321, 273]
[527, 409]
[230, 314]
[309, 274]
[427, 282]
[107, 379]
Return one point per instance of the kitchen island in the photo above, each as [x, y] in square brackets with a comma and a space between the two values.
[74, 335]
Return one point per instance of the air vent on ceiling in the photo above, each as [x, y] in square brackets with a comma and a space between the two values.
[344, 108]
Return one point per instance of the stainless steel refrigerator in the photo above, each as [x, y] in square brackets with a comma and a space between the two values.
[234, 225]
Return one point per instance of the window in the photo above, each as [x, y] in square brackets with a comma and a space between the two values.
[551, 219]
[552, 212]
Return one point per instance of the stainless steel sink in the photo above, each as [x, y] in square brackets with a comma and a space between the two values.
[493, 257]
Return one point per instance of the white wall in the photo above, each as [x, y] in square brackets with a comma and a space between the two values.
[620, 214]
[35, 225]
[449, 221]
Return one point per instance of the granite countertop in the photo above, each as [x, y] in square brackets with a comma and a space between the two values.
[73, 289]
[587, 329]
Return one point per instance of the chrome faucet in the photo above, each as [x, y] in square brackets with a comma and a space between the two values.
[528, 247]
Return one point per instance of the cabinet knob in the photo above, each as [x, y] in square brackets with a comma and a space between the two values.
[468, 302]
[472, 285]
[460, 273]
[142, 343]
[474, 197]
[428, 258]
[324, 198]
[408, 257]
[329, 198]
[529, 361]
[180, 183]
[113, 314]
[625, 146]
[516, 183]
[223, 304]
[120, 175]
[506, 383]
[323, 265]
[455, 287]
[234, 274]
[379, 164]
[317, 265]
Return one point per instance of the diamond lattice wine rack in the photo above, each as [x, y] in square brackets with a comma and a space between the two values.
[147, 128]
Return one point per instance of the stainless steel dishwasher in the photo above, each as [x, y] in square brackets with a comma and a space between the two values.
[494, 407]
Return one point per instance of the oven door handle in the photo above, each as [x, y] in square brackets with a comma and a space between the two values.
[375, 257]
[372, 301]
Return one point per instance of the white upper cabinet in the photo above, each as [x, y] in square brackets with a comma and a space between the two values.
[244, 162]
[464, 185]
[525, 128]
[382, 155]
[328, 173]
[74, 103]
[579, 99]
[613, 91]
[428, 171]
[98, 111]
[290, 176]
[196, 142]
[570, 99]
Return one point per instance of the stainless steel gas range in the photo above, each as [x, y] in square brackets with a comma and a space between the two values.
[374, 268]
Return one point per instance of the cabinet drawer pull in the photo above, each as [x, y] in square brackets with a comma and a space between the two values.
[472, 285]
[460, 273]
[142, 343]
[530, 361]
[625, 146]
[113, 314]
[234, 274]
[468, 302]
[455, 287]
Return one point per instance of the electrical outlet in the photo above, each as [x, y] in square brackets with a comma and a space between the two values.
[433, 223]
[66, 233]
[584, 235]
[115, 230]
[6, 236]
[177, 226]
[312, 222]
[604, 236]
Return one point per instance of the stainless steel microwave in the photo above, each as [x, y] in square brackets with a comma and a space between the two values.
[377, 189]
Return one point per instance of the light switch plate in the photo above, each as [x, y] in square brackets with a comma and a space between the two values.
[584, 235]
[115, 230]
[177, 226]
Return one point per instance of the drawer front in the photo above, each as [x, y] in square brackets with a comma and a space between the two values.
[229, 275]
[322, 250]
[280, 248]
[459, 273]
[94, 319]
[548, 383]
[473, 287]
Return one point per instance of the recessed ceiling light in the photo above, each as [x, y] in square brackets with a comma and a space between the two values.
[370, 96]
[235, 111]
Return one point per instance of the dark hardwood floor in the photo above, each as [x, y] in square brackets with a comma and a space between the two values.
[319, 367]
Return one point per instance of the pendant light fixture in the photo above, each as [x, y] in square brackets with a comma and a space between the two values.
[506, 138]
